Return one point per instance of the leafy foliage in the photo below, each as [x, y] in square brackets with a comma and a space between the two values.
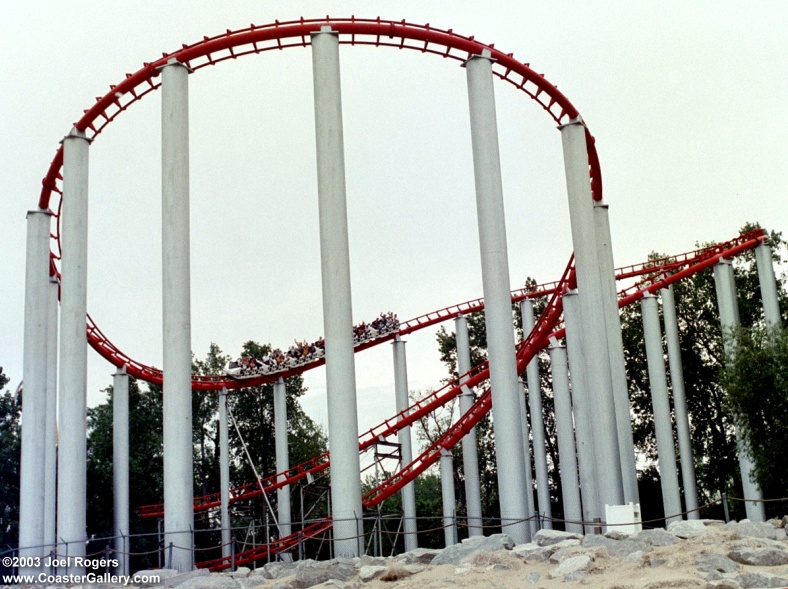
[756, 380]
[10, 447]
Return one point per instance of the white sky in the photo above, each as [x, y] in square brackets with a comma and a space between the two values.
[686, 101]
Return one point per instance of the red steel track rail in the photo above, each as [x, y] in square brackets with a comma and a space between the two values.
[275, 37]
[665, 272]
[652, 272]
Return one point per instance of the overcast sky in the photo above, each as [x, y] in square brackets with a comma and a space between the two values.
[686, 101]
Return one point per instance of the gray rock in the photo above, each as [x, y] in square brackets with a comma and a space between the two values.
[657, 537]
[375, 561]
[279, 570]
[576, 576]
[629, 546]
[575, 564]
[656, 562]
[750, 580]
[242, 571]
[785, 522]
[767, 557]
[594, 540]
[616, 534]
[419, 556]
[210, 582]
[716, 562]
[533, 578]
[280, 585]
[755, 529]
[691, 528]
[531, 553]
[176, 580]
[457, 553]
[549, 537]
[368, 572]
[315, 573]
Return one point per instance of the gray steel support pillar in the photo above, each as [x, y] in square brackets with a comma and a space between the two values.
[50, 459]
[498, 306]
[582, 406]
[282, 456]
[72, 442]
[537, 421]
[592, 302]
[448, 497]
[565, 432]
[337, 305]
[615, 346]
[771, 304]
[176, 315]
[470, 456]
[224, 474]
[729, 319]
[663, 427]
[533, 523]
[120, 468]
[410, 527]
[679, 402]
[34, 397]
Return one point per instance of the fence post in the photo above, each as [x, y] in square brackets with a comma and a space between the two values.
[725, 507]
[232, 553]
[107, 555]
[169, 556]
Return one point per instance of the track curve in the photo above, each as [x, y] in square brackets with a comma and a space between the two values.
[278, 36]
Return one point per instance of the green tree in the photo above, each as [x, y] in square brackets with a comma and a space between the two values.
[10, 437]
[756, 381]
[702, 356]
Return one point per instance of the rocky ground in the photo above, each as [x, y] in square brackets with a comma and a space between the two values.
[705, 554]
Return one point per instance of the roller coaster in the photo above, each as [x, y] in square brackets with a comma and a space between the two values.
[648, 277]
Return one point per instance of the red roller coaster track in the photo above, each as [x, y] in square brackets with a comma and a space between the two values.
[277, 36]
[657, 274]
[652, 274]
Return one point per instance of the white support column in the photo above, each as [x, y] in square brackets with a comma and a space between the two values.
[72, 444]
[498, 306]
[176, 315]
[470, 456]
[34, 396]
[50, 459]
[582, 406]
[410, 527]
[679, 402]
[337, 304]
[663, 428]
[448, 497]
[537, 421]
[729, 319]
[224, 474]
[768, 283]
[615, 346]
[282, 456]
[533, 524]
[120, 467]
[592, 301]
[565, 432]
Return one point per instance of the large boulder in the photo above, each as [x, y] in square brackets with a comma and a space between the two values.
[656, 537]
[549, 537]
[315, 573]
[690, 528]
[576, 564]
[751, 580]
[419, 556]
[716, 562]
[756, 530]
[458, 552]
[765, 557]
